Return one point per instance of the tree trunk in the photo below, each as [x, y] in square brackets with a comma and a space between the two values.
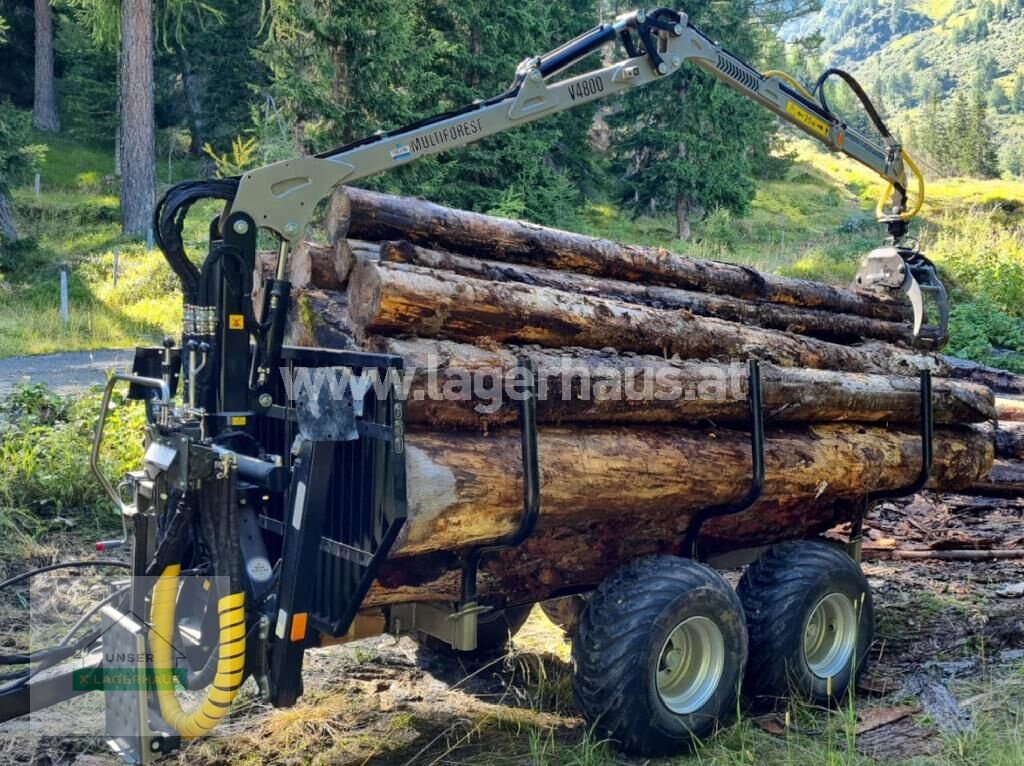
[44, 106]
[385, 300]
[611, 494]
[578, 385]
[1000, 381]
[190, 86]
[374, 216]
[138, 149]
[776, 316]
[1010, 441]
[1006, 478]
[682, 218]
[1010, 409]
[8, 231]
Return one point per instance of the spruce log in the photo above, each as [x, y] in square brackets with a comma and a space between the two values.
[361, 214]
[385, 300]
[1010, 409]
[1000, 381]
[776, 316]
[1006, 478]
[629, 388]
[611, 494]
[1010, 440]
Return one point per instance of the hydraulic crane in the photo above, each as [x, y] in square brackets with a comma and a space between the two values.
[291, 505]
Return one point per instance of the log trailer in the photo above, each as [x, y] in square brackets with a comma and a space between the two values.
[258, 522]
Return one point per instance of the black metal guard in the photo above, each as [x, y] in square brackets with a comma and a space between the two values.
[531, 488]
[757, 459]
[927, 460]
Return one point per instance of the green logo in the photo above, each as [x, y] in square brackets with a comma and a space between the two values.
[129, 679]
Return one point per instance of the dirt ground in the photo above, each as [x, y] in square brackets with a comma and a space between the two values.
[945, 684]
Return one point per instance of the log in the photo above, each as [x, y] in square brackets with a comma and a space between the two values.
[582, 385]
[1010, 440]
[611, 494]
[1006, 478]
[777, 316]
[385, 300]
[361, 214]
[1010, 409]
[1000, 381]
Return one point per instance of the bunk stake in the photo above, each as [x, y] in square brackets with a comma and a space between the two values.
[757, 464]
[469, 610]
[871, 499]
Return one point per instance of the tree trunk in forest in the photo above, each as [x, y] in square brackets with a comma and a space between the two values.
[45, 115]
[385, 299]
[193, 106]
[683, 218]
[776, 316]
[375, 216]
[138, 148]
[466, 489]
[8, 230]
[580, 385]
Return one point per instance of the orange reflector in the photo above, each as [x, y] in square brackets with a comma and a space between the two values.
[299, 626]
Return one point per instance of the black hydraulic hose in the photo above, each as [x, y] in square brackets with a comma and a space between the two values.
[63, 565]
[859, 91]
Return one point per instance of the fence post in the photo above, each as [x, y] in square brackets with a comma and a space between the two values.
[38, 184]
[64, 294]
[117, 263]
[149, 239]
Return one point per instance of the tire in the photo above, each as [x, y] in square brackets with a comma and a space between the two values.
[622, 651]
[810, 619]
[494, 630]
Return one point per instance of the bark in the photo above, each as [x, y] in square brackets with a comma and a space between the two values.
[368, 215]
[191, 87]
[385, 300]
[579, 385]
[8, 230]
[138, 149]
[44, 106]
[1010, 409]
[1010, 441]
[683, 219]
[776, 316]
[609, 495]
[1006, 478]
[1000, 381]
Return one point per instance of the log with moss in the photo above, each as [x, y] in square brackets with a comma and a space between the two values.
[386, 300]
[367, 215]
[459, 385]
[816, 322]
[611, 494]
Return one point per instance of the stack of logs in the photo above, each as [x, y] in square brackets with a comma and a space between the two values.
[459, 294]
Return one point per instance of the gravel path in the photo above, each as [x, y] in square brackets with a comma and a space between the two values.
[69, 373]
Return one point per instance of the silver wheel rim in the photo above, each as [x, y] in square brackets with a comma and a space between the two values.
[830, 636]
[690, 665]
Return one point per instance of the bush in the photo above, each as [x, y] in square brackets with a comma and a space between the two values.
[45, 441]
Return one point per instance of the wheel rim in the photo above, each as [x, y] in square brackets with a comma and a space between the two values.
[690, 665]
[830, 636]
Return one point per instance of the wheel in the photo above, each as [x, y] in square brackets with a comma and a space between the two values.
[810, 620]
[494, 629]
[659, 655]
[564, 612]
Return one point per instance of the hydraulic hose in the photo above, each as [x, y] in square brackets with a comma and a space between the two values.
[230, 658]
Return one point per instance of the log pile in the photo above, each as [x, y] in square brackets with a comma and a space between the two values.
[643, 415]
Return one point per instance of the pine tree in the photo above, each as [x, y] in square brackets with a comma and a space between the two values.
[1017, 99]
[982, 159]
[685, 143]
[44, 108]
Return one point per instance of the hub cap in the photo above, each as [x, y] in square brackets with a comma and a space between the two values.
[830, 636]
[690, 665]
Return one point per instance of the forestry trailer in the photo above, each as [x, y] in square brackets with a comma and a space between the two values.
[258, 523]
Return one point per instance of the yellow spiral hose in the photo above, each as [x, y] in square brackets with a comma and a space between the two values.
[230, 658]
